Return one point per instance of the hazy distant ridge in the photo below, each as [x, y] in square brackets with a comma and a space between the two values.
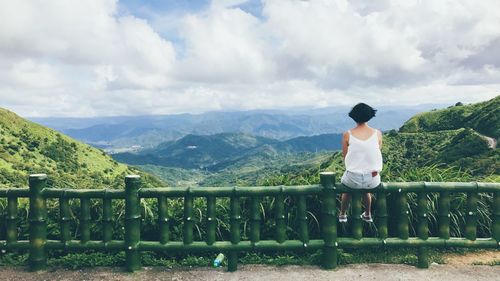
[149, 131]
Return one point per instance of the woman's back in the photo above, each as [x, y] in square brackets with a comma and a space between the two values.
[363, 151]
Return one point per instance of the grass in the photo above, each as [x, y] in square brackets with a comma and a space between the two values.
[492, 263]
[346, 256]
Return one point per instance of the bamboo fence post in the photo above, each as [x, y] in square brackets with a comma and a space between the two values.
[11, 220]
[280, 217]
[107, 222]
[234, 231]
[402, 204]
[381, 213]
[422, 228]
[444, 214]
[329, 220]
[302, 216]
[471, 218]
[132, 222]
[188, 218]
[84, 220]
[163, 219]
[496, 217]
[357, 224]
[37, 222]
[254, 219]
[211, 219]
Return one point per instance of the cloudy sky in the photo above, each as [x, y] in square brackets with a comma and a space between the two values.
[108, 57]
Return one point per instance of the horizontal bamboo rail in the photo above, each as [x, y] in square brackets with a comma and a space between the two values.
[327, 191]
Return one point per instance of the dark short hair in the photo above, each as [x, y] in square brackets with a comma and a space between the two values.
[362, 113]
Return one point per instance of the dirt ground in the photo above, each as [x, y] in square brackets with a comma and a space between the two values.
[459, 267]
[386, 272]
[483, 257]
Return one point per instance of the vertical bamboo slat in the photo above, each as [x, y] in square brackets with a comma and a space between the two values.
[280, 217]
[232, 263]
[254, 219]
[357, 224]
[302, 217]
[188, 219]
[11, 220]
[444, 214]
[422, 228]
[84, 220]
[471, 218]
[211, 220]
[163, 219]
[64, 217]
[329, 220]
[37, 223]
[402, 215]
[132, 222]
[381, 214]
[423, 220]
[496, 217]
[107, 221]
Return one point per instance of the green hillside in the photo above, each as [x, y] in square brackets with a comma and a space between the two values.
[26, 147]
[247, 170]
[462, 136]
[461, 148]
[482, 117]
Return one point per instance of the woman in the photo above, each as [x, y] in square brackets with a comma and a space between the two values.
[362, 157]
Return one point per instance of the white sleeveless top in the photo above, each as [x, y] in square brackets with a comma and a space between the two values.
[363, 156]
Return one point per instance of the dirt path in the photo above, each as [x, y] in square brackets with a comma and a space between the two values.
[483, 257]
[383, 272]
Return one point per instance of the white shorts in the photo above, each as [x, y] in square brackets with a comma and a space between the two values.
[360, 181]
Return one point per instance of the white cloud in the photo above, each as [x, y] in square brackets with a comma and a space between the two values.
[82, 58]
[225, 46]
[86, 33]
[330, 42]
[28, 74]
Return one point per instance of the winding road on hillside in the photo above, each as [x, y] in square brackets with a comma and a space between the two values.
[492, 143]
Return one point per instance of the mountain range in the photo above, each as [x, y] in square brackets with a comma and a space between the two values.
[423, 140]
[460, 136]
[126, 133]
[216, 152]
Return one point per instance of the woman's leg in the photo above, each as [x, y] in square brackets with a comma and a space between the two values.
[367, 201]
[344, 204]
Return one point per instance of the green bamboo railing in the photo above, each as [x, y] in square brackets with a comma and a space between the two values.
[327, 191]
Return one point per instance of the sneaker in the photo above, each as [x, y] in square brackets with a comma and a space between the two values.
[366, 218]
[342, 218]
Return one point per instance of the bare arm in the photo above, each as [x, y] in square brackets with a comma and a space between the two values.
[379, 139]
[345, 144]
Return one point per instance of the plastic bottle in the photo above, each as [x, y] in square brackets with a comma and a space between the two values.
[218, 260]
